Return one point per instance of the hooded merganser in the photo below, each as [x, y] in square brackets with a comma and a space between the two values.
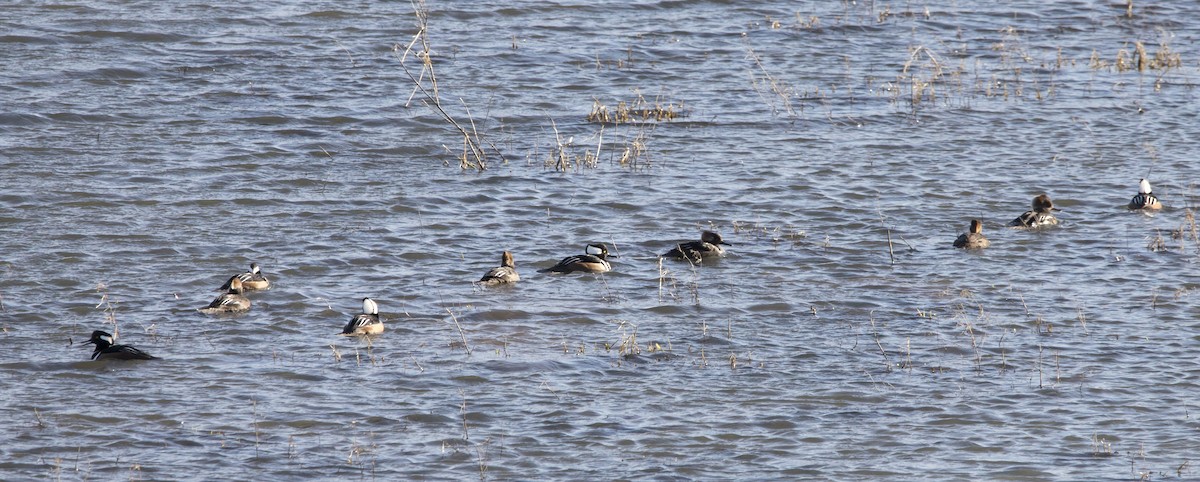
[252, 280]
[366, 323]
[592, 261]
[1039, 216]
[505, 273]
[232, 301]
[107, 350]
[1145, 199]
[973, 239]
[709, 246]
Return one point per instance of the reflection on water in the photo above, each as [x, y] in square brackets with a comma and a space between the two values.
[153, 150]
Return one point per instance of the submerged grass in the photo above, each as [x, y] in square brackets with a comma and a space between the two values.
[628, 150]
[639, 110]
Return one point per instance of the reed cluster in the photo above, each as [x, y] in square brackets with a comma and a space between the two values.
[639, 110]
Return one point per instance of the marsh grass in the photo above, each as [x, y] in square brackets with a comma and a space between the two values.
[622, 138]
[475, 150]
[566, 156]
[667, 283]
[110, 311]
[921, 74]
[634, 153]
[466, 429]
[1157, 244]
[637, 111]
[775, 92]
[481, 457]
[1187, 231]
[1101, 447]
[462, 334]
[887, 362]
[627, 345]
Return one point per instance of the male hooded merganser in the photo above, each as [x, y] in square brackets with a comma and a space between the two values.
[366, 323]
[709, 246]
[1145, 199]
[1039, 216]
[232, 301]
[973, 239]
[252, 280]
[505, 273]
[592, 261]
[107, 350]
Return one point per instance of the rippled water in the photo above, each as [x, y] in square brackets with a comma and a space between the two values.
[151, 149]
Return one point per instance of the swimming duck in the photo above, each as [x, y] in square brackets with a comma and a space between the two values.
[592, 261]
[107, 350]
[252, 280]
[366, 323]
[505, 273]
[1039, 216]
[1145, 199]
[973, 239]
[232, 301]
[709, 246]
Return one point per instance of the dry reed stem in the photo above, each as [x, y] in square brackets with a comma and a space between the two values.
[462, 334]
[777, 87]
[463, 411]
[473, 156]
[875, 334]
[637, 111]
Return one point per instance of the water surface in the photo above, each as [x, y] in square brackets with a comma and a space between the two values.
[150, 150]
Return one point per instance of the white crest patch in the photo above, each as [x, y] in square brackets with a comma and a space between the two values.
[594, 250]
[369, 307]
[1144, 187]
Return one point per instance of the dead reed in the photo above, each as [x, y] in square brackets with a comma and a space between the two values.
[1157, 243]
[628, 344]
[639, 110]
[775, 92]
[474, 155]
[1187, 231]
[462, 334]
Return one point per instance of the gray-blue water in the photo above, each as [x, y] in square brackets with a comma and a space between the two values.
[149, 150]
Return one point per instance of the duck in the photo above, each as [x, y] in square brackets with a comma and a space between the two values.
[107, 350]
[973, 239]
[592, 261]
[1145, 198]
[365, 323]
[232, 301]
[1040, 215]
[252, 280]
[709, 246]
[503, 274]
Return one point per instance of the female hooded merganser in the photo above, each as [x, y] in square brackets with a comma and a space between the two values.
[592, 261]
[1145, 199]
[232, 301]
[366, 323]
[1039, 216]
[107, 350]
[252, 280]
[505, 273]
[709, 246]
[973, 239]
